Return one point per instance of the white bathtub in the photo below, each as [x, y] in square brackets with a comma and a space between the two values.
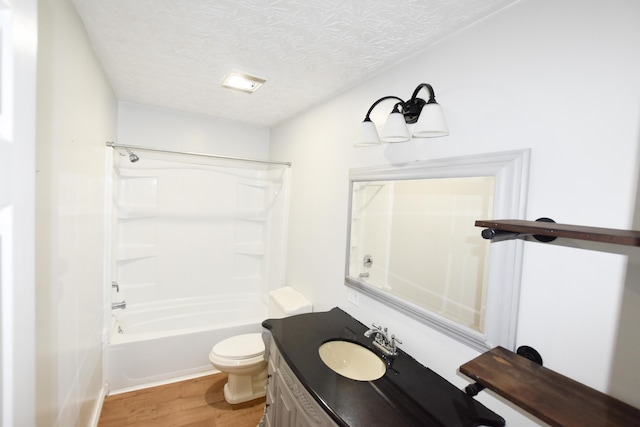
[157, 342]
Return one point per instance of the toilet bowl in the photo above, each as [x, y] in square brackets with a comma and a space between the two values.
[242, 356]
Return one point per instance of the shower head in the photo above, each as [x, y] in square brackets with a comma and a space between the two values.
[132, 157]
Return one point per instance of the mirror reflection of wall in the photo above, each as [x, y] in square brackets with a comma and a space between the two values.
[444, 269]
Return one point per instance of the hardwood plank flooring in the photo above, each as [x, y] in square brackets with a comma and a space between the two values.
[198, 402]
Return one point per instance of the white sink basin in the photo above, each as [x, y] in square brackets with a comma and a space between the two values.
[352, 360]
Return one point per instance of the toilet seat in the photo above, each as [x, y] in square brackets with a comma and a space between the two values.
[239, 347]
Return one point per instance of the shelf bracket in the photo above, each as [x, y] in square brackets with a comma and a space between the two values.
[500, 235]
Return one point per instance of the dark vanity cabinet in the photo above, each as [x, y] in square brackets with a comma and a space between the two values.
[302, 391]
[288, 402]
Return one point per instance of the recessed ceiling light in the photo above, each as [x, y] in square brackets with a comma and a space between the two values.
[242, 82]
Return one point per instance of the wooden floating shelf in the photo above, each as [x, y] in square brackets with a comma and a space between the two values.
[553, 398]
[552, 229]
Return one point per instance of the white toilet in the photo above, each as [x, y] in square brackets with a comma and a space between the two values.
[242, 356]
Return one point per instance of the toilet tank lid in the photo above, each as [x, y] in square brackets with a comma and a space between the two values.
[290, 301]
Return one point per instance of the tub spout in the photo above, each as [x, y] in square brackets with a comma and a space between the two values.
[122, 304]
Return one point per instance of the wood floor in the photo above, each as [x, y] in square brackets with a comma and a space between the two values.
[195, 403]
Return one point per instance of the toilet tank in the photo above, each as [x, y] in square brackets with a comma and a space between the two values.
[285, 302]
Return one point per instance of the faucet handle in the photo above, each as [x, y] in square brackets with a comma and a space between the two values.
[394, 340]
[376, 326]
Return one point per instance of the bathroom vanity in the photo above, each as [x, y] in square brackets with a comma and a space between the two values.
[289, 404]
[303, 391]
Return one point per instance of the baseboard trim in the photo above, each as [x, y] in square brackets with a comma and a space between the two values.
[163, 382]
[98, 408]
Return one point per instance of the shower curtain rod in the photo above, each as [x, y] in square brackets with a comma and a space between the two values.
[188, 153]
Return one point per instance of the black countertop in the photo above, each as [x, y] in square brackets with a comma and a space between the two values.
[409, 394]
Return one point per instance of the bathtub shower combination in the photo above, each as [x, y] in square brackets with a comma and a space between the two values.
[197, 244]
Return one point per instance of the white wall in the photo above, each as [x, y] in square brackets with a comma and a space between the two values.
[559, 77]
[76, 114]
[172, 130]
[18, 76]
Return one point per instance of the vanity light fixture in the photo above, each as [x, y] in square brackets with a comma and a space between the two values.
[427, 115]
[242, 82]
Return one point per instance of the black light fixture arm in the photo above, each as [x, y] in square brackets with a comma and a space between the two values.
[384, 98]
[413, 107]
[410, 109]
[432, 93]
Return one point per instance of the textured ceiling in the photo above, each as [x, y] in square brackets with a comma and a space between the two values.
[174, 53]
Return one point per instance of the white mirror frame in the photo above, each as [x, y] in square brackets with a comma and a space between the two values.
[510, 170]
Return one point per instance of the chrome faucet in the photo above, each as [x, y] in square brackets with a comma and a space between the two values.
[116, 286]
[376, 330]
[382, 340]
[122, 304]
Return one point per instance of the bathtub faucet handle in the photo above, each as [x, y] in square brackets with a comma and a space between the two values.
[122, 304]
[115, 285]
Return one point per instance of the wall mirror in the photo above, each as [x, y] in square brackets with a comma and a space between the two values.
[413, 244]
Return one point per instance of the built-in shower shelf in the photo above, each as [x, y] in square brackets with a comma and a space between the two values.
[135, 212]
[131, 252]
[249, 248]
[190, 213]
[258, 217]
[255, 183]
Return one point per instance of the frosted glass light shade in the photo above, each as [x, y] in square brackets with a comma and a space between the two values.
[368, 134]
[431, 122]
[395, 129]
